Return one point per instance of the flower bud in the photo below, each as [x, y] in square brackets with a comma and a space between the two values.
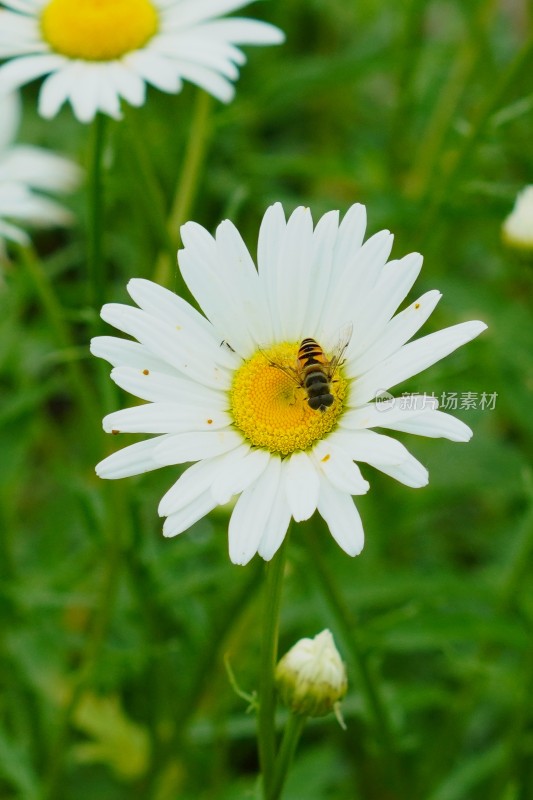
[517, 229]
[311, 677]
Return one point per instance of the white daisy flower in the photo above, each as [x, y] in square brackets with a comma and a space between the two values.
[517, 229]
[225, 390]
[96, 53]
[25, 173]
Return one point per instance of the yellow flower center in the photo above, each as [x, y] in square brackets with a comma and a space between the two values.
[98, 30]
[270, 405]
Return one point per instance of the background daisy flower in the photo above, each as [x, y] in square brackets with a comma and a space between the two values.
[96, 53]
[221, 390]
[26, 173]
[517, 229]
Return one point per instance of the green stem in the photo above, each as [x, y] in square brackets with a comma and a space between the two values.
[291, 737]
[95, 263]
[54, 312]
[347, 624]
[431, 143]
[459, 164]
[118, 538]
[406, 59]
[515, 569]
[150, 194]
[266, 732]
[187, 184]
[516, 735]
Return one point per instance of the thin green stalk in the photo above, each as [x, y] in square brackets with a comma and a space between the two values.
[54, 311]
[515, 737]
[118, 536]
[291, 737]
[208, 658]
[266, 732]
[407, 54]
[375, 704]
[150, 195]
[452, 733]
[445, 109]
[515, 570]
[95, 263]
[187, 185]
[448, 182]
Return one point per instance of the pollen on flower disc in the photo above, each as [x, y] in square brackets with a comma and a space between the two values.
[271, 409]
[98, 30]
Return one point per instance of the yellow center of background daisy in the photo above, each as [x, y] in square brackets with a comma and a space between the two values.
[271, 409]
[98, 30]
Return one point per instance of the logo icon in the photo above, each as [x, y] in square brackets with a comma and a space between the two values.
[384, 400]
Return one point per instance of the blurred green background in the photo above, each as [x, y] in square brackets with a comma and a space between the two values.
[112, 678]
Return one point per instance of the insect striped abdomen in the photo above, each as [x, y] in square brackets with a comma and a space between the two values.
[312, 363]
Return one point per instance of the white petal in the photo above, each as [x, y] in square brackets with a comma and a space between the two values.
[25, 6]
[350, 238]
[271, 235]
[188, 515]
[12, 234]
[19, 71]
[123, 352]
[413, 358]
[159, 387]
[166, 418]
[251, 514]
[192, 48]
[410, 472]
[206, 79]
[190, 485]
[301, 482]
[324, 237]
[56, 90]
[181, 447]
[349, 292]
[276, 527]
[155, 69]
[107, 96]
[387, 413]
[220, 300]
[170, 307]
[243, 31]
[237, 269]
[39, 169]
[435, 424]
[127, 83]
[84, 92]
[339, 469]
[173, 344]
[239, 474]
[293, 287]
[391, 289]
[189, 12]
[342, 518]
[19, 202]
[396, 333]
[374, 448]
[133, 460]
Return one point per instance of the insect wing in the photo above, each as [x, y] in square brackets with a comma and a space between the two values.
[291, 372]
[337, 352]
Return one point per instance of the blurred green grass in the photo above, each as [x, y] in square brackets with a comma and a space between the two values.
[401, 107]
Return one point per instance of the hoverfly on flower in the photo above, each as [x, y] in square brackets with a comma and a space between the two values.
[314, 371]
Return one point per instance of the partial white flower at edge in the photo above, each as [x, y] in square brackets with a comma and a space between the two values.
[94, 54]
[26, 174]
[223, 389]
[517, 229]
